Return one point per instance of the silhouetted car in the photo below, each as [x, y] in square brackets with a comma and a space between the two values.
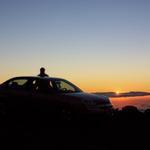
[37, 95]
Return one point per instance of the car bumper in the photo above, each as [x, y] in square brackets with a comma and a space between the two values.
[99, 111]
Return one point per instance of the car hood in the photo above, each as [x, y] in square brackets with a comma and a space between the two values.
[88, 97]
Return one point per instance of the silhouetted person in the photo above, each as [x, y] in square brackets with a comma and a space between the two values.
[42, 73]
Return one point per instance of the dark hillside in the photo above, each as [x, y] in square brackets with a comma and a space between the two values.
[127, 129]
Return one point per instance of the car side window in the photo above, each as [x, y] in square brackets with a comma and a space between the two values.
[17, 84]
[64, 86]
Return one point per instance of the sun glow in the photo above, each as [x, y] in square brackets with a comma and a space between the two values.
[117, 92]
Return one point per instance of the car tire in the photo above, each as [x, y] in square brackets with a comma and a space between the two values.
[66, 114]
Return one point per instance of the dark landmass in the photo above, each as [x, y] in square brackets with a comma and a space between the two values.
[128, 94]
[126, 129]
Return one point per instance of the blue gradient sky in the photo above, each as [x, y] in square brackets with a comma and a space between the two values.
[100, 45]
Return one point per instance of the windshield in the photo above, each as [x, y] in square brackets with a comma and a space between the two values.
[65, 86]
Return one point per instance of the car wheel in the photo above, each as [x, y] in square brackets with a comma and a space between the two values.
[67, 114]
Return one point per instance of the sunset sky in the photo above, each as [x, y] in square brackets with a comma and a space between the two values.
[100, 45]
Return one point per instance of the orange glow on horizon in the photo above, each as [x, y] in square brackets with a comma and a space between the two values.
[88, 83]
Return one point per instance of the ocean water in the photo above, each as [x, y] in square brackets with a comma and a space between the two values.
[141, 102]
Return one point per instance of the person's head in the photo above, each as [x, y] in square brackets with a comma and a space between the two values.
[42, 70]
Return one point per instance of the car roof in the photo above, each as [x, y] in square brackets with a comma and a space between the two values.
[34, 77]
[37, 77]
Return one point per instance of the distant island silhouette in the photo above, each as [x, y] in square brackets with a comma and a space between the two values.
[127, 94]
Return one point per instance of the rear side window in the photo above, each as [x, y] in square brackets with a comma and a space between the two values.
[17, 84]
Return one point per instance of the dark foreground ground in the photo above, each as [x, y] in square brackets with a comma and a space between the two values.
[127, 129]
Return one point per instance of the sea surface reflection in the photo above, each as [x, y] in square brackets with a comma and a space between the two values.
[141, 102]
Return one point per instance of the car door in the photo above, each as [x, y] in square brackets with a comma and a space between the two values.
[15, 95]
[44, 98]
